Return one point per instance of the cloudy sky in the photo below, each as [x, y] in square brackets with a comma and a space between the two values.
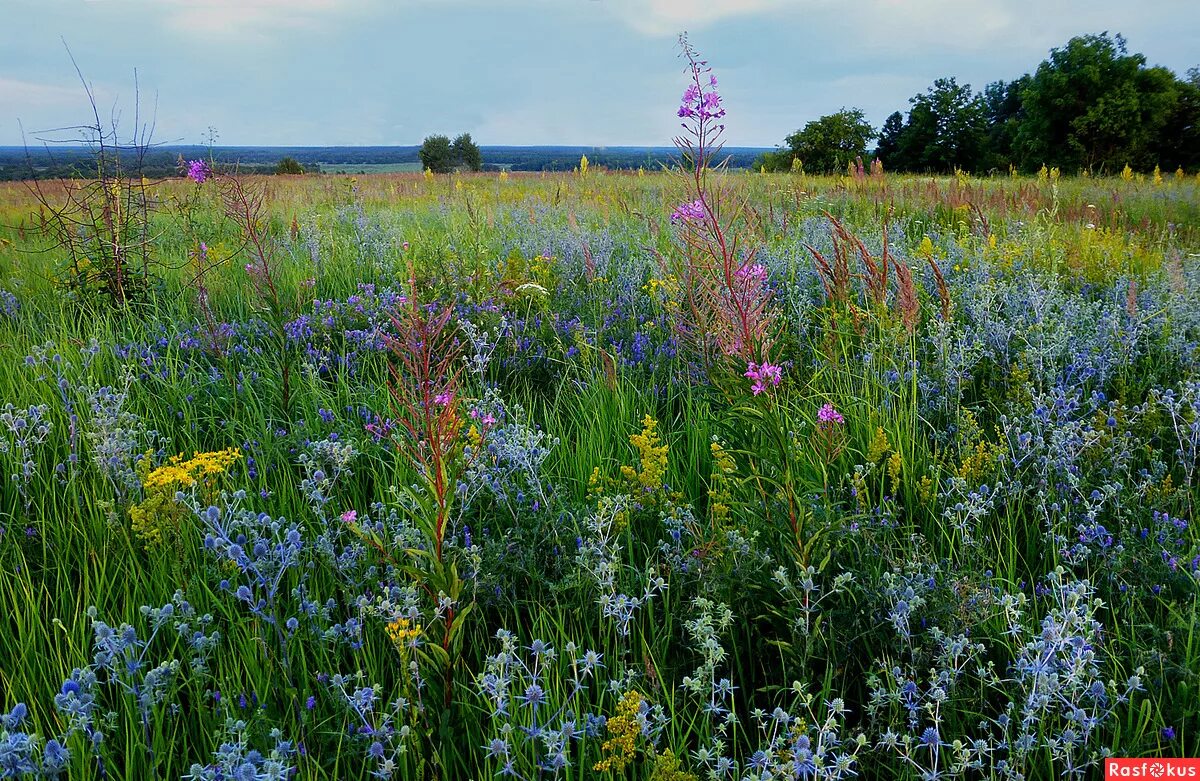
[589, 72]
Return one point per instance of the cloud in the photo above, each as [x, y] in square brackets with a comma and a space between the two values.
[668, 17]
[29, 94]
[246, 17]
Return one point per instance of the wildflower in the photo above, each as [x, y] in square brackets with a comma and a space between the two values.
[201, 466]
[880, 446]
[623, 730]
[198, 171]
[827, 414]
[652, 457]
[350, 516]
[761, 374]
[693, 211]
[752, 272]
[403, 632]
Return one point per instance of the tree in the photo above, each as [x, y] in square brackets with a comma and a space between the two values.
[779, 160]
[440, 155]
[289, 165]
[889, 140]
[466, 153]
[1094, 105]
[1005, 112]
[829, 143]
[437, 155]
[1178, 142]
[946, 129]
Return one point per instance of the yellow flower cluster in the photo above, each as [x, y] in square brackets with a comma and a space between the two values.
[926, 490]
[665, 290]
[623, 730]
[645, 483]
[879, 449]
[720, 492]
[403, 632]
[652, 458]
[894, 467]
[880, 446]
[197, 469]
[667, 768]
[979, 462]
[926, 248]
[157, 517]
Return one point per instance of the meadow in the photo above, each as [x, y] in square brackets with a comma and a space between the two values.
[695, 474]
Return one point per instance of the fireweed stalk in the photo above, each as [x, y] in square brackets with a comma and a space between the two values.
[728, 301]
[426, 391]
[728, 313]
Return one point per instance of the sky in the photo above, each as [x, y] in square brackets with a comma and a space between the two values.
[525, 72]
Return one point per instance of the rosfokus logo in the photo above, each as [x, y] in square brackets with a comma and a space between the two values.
[1163, 767]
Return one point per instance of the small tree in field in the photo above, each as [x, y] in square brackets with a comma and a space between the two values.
[829, 143]
[99, 220]
[437, 154]
[289, 166]
[440, 155]
[466, 153]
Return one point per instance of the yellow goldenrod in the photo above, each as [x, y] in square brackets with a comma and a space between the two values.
[652, 458]
[201, 466]
[926, 491]
[158, 516]
[720, 492]
[895, 464]
[880, 446]
[623, 730]
[668, 768]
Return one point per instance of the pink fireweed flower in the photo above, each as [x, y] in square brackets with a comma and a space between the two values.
[485, 418]
[689, 212]
[756, 272]
[443, 398]
[198, 171]
[828, 414]
[350, 516]
[701, 104]
[761, 374]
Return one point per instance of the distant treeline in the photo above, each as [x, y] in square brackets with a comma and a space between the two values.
[1091, 106]
[163, 161]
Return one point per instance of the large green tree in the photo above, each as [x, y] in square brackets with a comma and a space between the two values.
[1005, 112]
[1178, 143]
[947, 129]
[1093, 105]
[442, 156]
[889, 140]
[831, 142]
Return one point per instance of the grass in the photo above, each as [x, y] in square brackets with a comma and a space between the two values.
[1036, 269]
